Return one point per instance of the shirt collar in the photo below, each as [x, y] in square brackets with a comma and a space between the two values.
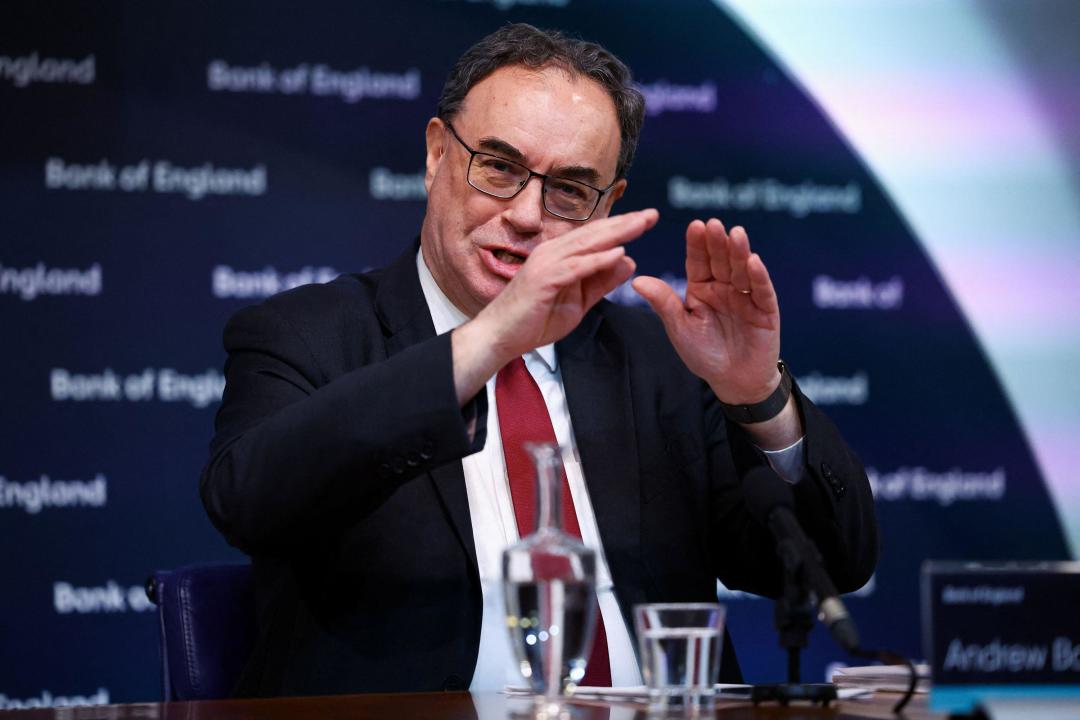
[446, 316]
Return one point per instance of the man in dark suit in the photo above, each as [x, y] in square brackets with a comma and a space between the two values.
[359, 448]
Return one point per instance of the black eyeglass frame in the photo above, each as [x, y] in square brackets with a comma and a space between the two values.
[543, 179]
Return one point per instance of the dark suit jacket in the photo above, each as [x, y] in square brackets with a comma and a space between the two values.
[336, 467]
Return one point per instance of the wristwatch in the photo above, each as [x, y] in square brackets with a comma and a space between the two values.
[768, 408]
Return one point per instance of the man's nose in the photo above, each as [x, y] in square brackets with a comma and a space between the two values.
[525, 211]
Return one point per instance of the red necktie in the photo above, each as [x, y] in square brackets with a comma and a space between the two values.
[523, 417]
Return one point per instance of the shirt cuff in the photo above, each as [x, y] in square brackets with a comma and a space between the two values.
[788, 462]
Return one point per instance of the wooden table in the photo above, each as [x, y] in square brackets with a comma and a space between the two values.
[450, 706]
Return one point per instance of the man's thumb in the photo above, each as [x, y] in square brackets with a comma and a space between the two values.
[659, 295]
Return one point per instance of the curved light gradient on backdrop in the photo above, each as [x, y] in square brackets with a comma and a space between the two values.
[967, 113]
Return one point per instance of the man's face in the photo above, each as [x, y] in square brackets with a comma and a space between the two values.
[548, 121]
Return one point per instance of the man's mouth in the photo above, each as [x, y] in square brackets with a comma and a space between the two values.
[508, 257]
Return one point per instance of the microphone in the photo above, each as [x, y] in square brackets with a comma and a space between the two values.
[772, 503]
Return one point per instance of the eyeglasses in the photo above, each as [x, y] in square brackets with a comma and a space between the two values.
[502, 178]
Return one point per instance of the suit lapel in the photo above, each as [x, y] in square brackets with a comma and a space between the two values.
[596, 376]
[399, 301]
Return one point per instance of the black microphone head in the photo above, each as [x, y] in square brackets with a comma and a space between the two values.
[764, 491]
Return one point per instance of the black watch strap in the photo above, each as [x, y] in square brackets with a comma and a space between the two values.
[768, 408]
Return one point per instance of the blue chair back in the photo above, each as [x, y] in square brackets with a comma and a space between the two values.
[206, 619]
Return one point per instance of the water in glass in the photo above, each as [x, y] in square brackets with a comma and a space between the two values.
[549, 584]
[680, 652]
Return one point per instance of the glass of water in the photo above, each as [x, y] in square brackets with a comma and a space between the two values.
[680, 653]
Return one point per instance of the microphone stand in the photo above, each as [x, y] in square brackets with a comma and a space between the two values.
[794, 614]
[794, 618]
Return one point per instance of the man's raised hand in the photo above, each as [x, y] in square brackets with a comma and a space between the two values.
[727, 330]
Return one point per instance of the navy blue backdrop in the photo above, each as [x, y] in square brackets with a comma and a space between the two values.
[164, 164]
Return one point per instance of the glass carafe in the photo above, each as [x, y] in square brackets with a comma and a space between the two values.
[549, 579]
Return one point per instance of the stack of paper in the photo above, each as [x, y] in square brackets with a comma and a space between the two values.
[894, 678]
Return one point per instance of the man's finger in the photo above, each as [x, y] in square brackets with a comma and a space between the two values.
[762, 291]
[718, 246]
[600, 284]
[738, 256]
[605, 233]
[577, 268]
[698, 267]
[661, 298]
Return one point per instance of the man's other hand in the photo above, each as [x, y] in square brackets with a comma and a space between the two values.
[727, 330]
[558, 283]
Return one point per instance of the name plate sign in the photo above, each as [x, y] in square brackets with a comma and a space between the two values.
[1001, 630]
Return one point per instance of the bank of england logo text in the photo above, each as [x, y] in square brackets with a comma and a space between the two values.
[161, 384]
[46, 493]
[26, 70]
[157, 176]
[318, 80]
[771, 195]
[940, 487]
[30, 283]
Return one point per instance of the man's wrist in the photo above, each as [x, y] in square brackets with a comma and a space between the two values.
[767, 409]
[779, 432]
[473, 359]
[488, 331]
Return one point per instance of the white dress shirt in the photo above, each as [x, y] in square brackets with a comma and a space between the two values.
[494, 526]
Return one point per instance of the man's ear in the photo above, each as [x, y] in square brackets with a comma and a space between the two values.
[612, 195]
[435, 136]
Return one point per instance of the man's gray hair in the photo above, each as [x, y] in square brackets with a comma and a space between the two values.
[522, 44]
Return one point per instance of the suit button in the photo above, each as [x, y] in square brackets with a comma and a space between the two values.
[384, 471]
[427, 450]
[453, 682]
[834, 482]
[397, 465]
[413, 459]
